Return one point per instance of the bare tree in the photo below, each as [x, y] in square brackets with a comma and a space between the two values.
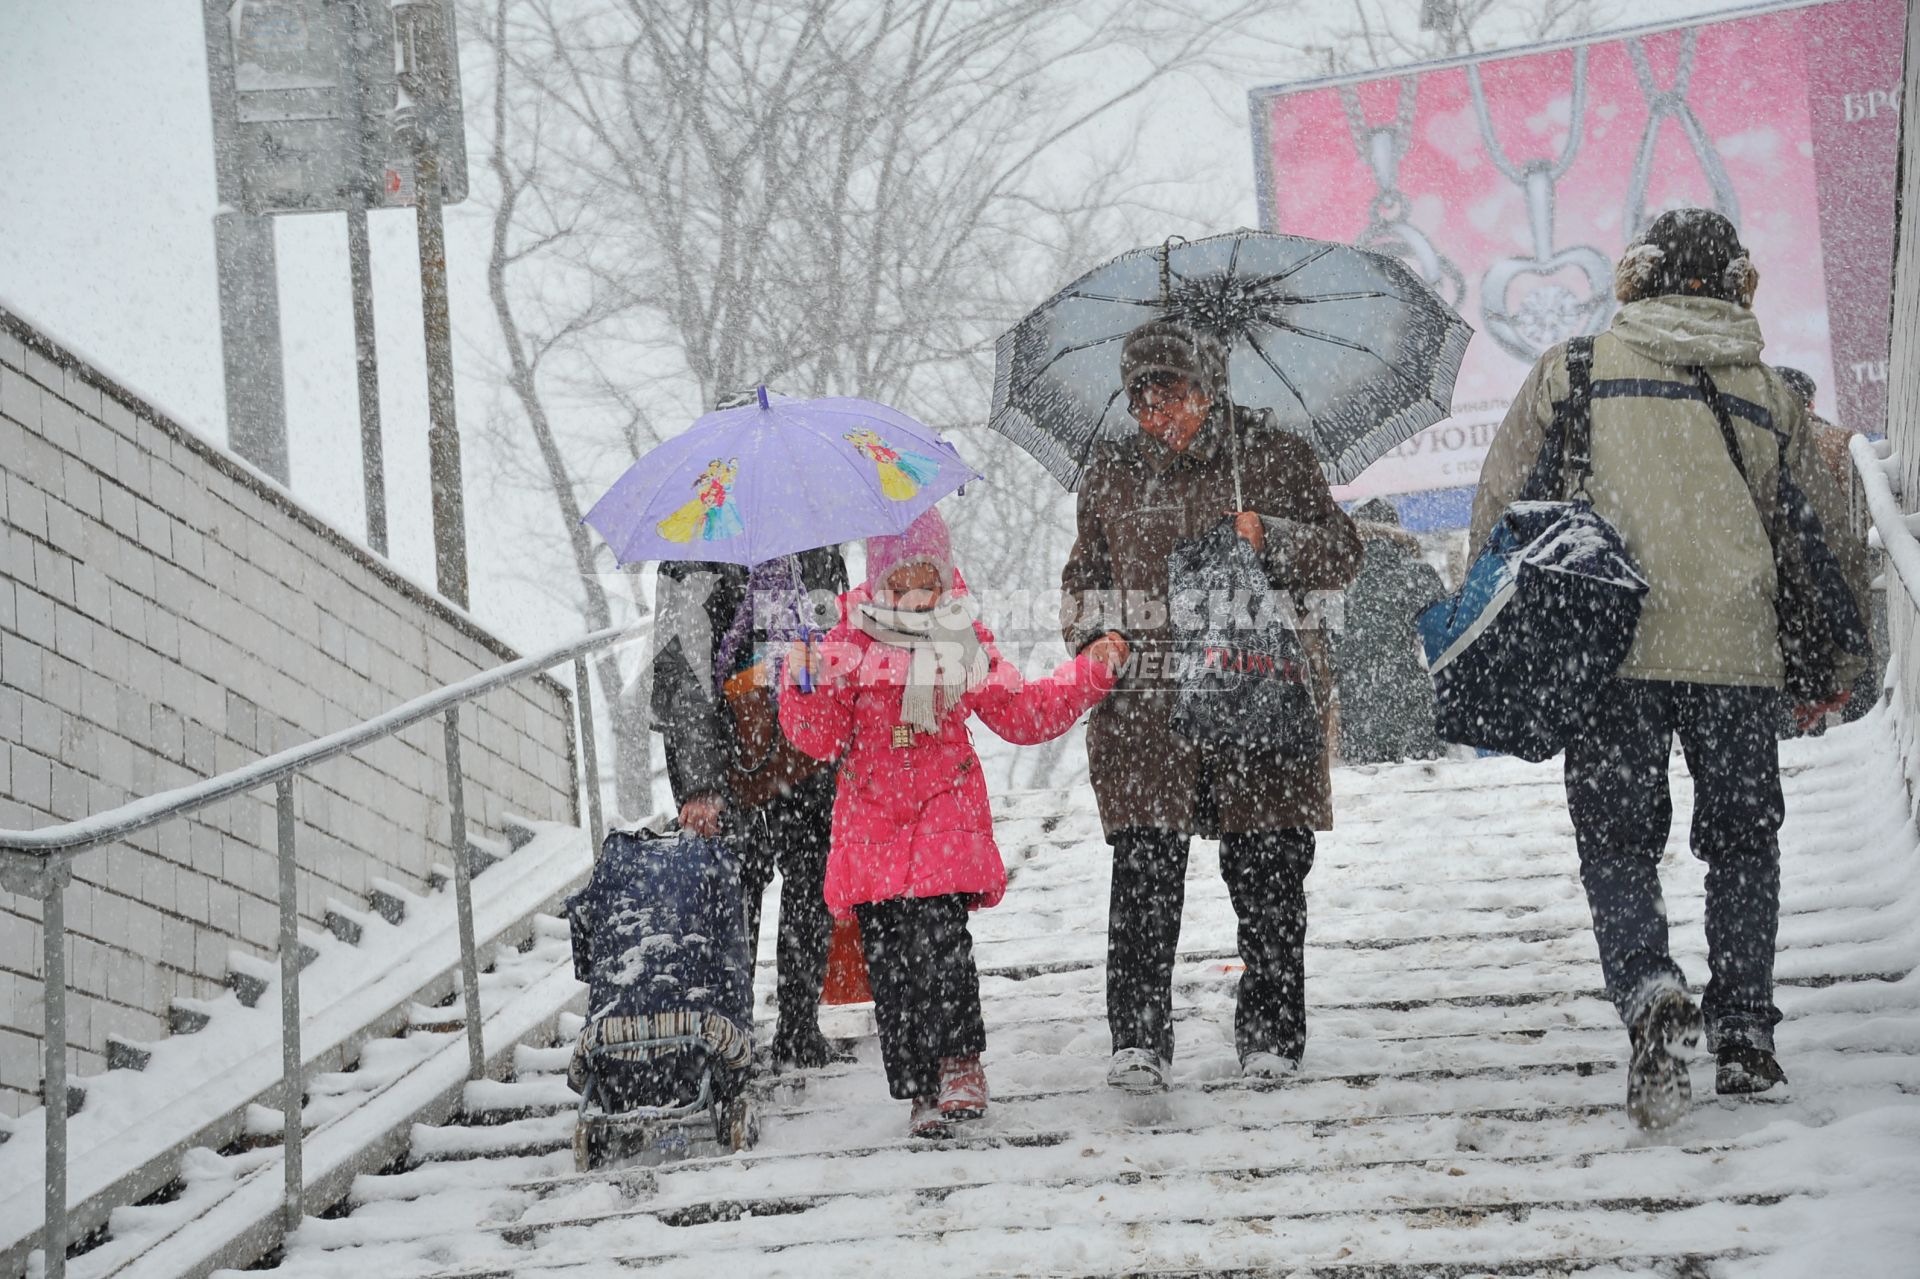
[828, 196]
[1385, 33]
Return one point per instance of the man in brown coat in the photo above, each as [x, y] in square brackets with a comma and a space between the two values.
[1173, 481]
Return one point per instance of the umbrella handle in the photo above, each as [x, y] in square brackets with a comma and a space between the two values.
[806, 666]
[1233, 454]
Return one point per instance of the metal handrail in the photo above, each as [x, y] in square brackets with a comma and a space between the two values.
[39, 862]
[1872, 460]
[139, 814]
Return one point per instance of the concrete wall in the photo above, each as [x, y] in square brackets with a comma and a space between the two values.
[167, 615]
[1903, 397]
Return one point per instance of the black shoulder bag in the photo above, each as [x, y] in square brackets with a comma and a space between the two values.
[1823, 636]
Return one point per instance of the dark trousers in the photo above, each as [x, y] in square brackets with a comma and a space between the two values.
[792, 833]
[1266, 875]
[1616, 774]
[926, 992]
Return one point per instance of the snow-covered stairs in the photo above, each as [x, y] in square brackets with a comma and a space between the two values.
[177, 1168]
[1459, 1112]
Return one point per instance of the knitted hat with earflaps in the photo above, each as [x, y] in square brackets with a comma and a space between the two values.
[1688, 252]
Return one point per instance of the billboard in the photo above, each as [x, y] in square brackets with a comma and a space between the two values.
[304, 75]
[1511, 183]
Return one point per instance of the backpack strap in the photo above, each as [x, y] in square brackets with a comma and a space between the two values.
[1569, 441]
[1710, 392]
[1578, 454]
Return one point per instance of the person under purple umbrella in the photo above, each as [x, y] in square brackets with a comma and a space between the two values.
[744, 511]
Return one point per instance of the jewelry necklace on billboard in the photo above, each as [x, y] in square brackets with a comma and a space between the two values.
[1663, 104]
[1388, 231]
[1548, 312]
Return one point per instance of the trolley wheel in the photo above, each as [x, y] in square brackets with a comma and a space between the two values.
[582, 1147]
[735, 1124]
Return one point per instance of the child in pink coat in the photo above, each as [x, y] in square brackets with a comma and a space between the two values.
[913, 849]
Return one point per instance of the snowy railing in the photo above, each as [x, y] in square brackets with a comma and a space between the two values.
[1874, 460]
[38, 863]
[1895, 532]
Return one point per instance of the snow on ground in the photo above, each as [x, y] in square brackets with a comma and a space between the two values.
[1459, 1112]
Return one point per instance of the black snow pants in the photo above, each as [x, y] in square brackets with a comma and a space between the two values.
[926, 991]
[1616, 775]
[791, 833]
[1266, 875]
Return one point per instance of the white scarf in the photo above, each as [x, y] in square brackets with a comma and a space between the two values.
[948, 658]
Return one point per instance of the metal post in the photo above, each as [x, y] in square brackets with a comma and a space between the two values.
[359, 42]
[443, 433]
[250, 340]
[589, 753]
[53, 941]
[291, 1088]
[427, 77]
[367, 363]
[463, 900]
[248, 277]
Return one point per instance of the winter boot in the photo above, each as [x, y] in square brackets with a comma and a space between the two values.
[1664, 1037]
[926, 1120]
[1268, 1066]
[1137, 1070]
[963, 1088]
[807, 1050]
[1743, 1071]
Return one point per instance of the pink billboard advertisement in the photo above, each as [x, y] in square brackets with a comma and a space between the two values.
[1511, 183]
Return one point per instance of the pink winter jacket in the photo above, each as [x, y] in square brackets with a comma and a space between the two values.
[914, 821]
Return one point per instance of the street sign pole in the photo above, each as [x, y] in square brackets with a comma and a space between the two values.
[307, 119]
[360, 269]
[248, 280]
[424, 30]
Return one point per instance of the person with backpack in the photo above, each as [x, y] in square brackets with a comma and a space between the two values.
[734, 776]
[1702, 458]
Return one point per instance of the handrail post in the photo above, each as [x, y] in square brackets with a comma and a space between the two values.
[53, 940]
[463, 899]
[292, 1093]
[589, 753]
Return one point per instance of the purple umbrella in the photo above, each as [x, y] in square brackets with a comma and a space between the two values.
[781, 475]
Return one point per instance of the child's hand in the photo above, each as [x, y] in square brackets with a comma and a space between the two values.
[1110, 648]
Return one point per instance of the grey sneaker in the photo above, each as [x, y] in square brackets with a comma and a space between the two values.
[1664, 1037]
[1137, 1070]
[1742, 1071]
[1268, 1066]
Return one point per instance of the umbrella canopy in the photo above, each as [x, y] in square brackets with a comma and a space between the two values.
[1348, 348]
[779, 475]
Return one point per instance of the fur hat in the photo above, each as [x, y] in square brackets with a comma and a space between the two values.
[1801, 384]
[1690, 252]
[1178, 349]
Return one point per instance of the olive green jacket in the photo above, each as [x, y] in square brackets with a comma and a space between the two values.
[1663, 477]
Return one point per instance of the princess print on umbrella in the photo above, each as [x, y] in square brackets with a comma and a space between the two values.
[710, 516]
[902, 472]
